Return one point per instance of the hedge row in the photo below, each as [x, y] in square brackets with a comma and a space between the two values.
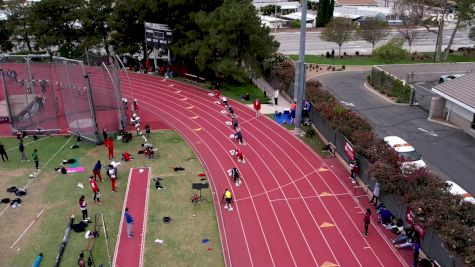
[390, 86]
[424, 192]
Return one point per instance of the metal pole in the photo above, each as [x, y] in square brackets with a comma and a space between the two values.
[275, 17]
[300, 71]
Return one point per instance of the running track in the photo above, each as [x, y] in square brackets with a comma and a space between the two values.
[292, 208]
[129, 251]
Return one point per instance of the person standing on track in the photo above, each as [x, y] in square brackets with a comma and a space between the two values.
[228, 198]
[367, 220]
[110, 147]
[257, 107]
[136, 106]
[129, 220]
[97, 170]
[95, 190]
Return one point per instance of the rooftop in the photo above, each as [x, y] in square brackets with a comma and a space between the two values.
[460, 91]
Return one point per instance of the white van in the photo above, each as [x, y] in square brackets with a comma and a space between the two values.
[409, 156]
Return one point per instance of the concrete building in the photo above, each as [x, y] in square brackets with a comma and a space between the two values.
[456, 102]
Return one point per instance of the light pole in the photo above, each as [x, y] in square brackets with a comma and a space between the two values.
[275, 17]
[299, 85]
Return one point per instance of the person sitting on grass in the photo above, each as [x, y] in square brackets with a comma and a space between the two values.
[126, 156]
[158, 185]
[245, 97]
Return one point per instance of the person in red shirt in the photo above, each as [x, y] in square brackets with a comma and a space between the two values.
[257, 107]
[110, 146]
[95, 190]
[367, 220]
[136, 106]
[217, 93]
[238, 154]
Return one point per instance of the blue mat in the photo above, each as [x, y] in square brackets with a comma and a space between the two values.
[282, 118]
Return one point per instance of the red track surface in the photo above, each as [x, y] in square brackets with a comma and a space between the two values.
[293, 208]
[129, 251]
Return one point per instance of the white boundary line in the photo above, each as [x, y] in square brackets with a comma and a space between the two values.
[106, 240]
[116, 250]
[31, 180]
[384, 238]
[265, 237]
[217, 197]
[339, 180]
[34, 220]
[275, 179]
[16, 147]
[145, 216]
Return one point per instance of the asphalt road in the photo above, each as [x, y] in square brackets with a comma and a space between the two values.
[289, 42]
[447, 151]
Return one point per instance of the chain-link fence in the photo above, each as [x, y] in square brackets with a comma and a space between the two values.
[54, 94]
[432, 243]
[30, 101]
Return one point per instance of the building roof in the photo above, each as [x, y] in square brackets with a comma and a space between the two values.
[356, 2]
[460, 91]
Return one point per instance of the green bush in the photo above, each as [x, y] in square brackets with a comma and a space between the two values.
[392, 51]
[423, 191]
[390, 86]
[295, 23]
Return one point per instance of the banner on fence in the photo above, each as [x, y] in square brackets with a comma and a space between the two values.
[349, 150]
[410, 220]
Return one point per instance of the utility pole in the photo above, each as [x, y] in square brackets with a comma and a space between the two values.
[299, 86]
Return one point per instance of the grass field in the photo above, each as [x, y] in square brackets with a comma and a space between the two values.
[62, 192]
[314, 142]
[369, 60]
[234, 91]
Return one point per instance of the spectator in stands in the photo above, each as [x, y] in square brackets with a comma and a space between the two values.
[3, 152]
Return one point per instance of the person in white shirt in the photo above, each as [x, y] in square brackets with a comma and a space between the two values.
[276, 97]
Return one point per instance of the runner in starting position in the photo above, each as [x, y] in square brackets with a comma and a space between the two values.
[234, 173]
[228, 197]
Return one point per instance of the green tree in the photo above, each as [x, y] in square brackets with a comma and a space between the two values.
[234, 42]
[373, 30]
[325, 12]
[5, 33]
[392, 51]
[19, 22]
[95, 25]
[57, 22]
[339, 31]
[127, 24]
[471, 34]
[270, 10]
[465, 14]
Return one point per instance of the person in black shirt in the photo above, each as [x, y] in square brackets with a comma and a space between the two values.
[3, 152]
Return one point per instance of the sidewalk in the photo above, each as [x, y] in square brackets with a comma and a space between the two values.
[283, 103]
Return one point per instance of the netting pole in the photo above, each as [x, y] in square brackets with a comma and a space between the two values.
[7, 99]
[27, 58]
[70, 89]
[119, 101]
[92, 108]
[126, 74]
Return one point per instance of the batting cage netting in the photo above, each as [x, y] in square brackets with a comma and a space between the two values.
[43, 94]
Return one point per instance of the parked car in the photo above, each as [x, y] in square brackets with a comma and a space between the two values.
[409, 156]
[456, 189]
[445, 78]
